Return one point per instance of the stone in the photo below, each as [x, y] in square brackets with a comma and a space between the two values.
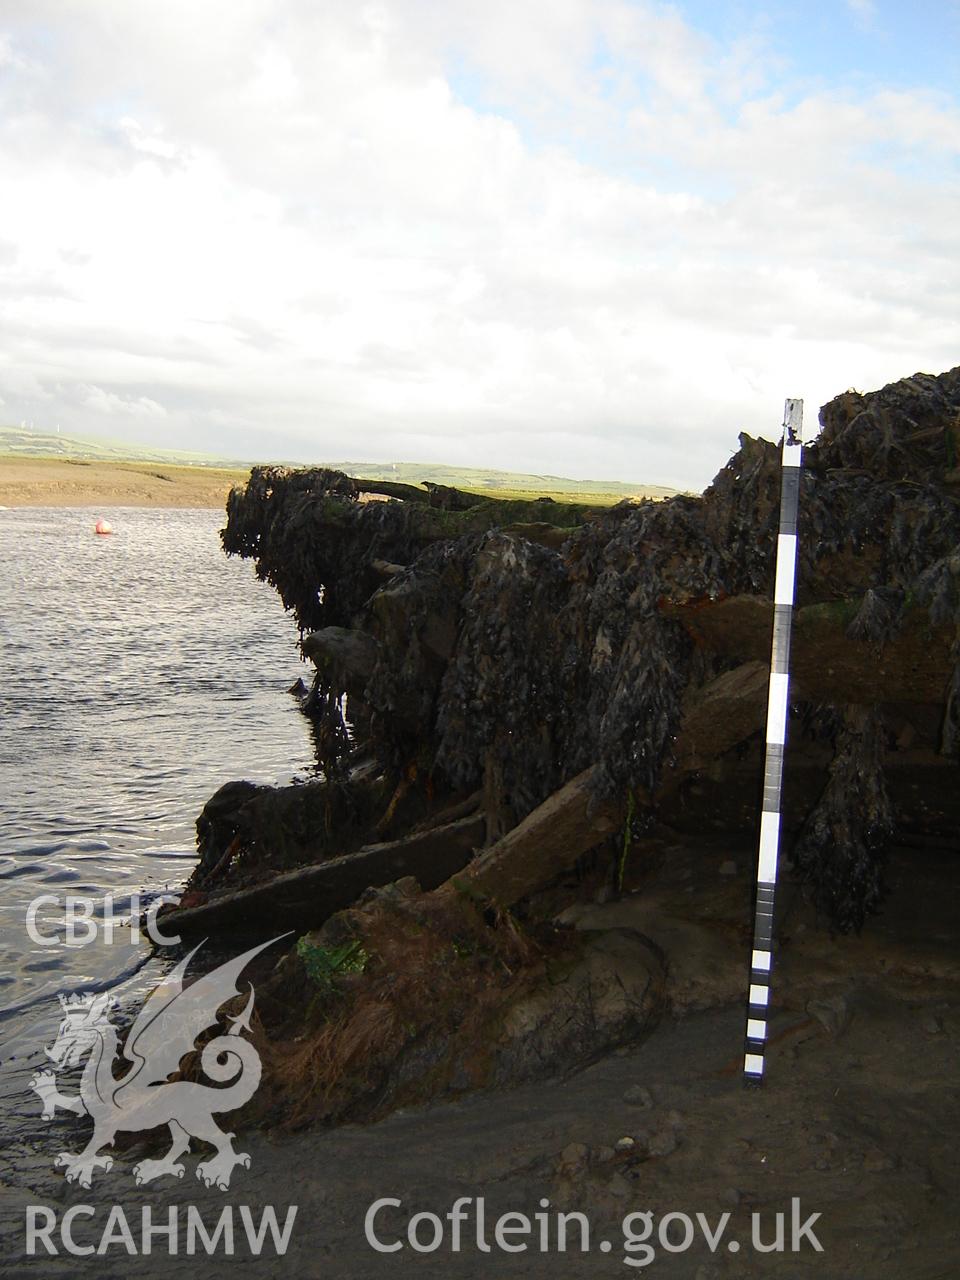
[610, 995]
[833, 1014]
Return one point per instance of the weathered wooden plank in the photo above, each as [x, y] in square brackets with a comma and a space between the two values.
[305, 897]
[827, 664]
[552, 837]
[718, 716]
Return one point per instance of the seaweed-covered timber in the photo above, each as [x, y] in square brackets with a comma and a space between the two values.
[576, 675]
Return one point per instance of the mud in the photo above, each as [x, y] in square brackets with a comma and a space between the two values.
[857, 1118]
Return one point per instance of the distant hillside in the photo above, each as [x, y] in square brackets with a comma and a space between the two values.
[48, 444]
[21, 443]
[484, 480]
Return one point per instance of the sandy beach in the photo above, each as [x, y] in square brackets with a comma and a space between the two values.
[56, 482]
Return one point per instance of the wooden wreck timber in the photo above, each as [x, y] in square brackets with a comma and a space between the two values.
[473, 657]
[306, 897]
[586, 670]
[547, 841]
[828, 664]
[914, 668]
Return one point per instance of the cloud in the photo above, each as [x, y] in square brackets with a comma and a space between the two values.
[585, 237]
[108, 402]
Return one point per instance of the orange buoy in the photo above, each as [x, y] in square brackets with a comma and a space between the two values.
[103, 526]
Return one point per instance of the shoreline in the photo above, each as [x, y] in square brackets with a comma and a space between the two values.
[61, 483]
[100, 483]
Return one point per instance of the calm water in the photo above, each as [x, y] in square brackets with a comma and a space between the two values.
[138, 672]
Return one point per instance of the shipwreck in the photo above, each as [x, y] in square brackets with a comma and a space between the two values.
[513, 702]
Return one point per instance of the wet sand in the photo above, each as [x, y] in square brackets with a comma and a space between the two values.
[857, 1121]
[56, 482]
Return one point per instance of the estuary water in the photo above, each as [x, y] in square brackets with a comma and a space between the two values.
[138, 672]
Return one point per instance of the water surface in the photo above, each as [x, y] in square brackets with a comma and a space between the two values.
[138, 672]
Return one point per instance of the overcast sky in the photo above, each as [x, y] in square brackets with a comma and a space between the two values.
[579, 237]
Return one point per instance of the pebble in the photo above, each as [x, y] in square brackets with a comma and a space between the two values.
[638, 1095]
[932, 1025]
[604, 1155]
[618, 1186]
[625, 1144]
[728, 868]
[833, 1014]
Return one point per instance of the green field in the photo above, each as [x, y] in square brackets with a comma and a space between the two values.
[18, 443]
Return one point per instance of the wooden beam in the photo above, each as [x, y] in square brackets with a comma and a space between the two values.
[304, 898]
[573, 820]
[826, 664]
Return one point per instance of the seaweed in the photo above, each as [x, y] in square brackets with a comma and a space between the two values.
[840, 851]
[519, 644]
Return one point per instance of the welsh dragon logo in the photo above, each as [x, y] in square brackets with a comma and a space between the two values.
[142, 1098]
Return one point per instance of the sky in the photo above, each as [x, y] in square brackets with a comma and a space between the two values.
[590, 238]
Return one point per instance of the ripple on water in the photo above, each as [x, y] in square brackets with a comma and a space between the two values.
[35, 869]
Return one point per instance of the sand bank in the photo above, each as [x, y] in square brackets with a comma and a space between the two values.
[58, 482]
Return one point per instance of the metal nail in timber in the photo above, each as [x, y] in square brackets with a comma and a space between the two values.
[777, 703]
